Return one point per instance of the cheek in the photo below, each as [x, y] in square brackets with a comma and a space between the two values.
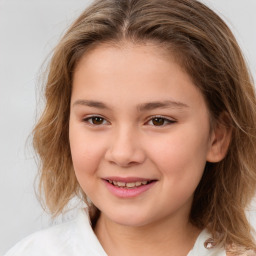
[86, 150]
[180, 160]
[182, 153]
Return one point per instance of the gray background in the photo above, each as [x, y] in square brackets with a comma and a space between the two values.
[29, 29]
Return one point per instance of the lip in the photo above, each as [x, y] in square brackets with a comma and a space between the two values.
[126, 179]
[123, 192]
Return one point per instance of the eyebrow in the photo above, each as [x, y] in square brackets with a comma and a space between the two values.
[161, 104]
[91, 103]
[141, 108]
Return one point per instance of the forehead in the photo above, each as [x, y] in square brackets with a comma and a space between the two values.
[140, 59]
[147, 48]
[141, 73]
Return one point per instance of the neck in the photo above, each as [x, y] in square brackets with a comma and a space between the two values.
[162, 238]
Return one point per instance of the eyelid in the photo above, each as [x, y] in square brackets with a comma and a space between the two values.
[168, 119]
[87, 118]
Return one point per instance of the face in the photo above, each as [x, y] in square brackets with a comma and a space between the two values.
[139, 133]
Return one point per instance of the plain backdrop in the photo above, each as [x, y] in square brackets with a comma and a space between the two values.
[29, 29]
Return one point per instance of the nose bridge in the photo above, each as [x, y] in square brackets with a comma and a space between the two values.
[125, 147]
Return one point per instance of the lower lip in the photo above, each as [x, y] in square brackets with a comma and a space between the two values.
[128, 192]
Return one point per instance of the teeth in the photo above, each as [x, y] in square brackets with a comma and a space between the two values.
[128, 184]
[120, 184]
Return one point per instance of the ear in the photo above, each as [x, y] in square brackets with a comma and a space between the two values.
[220, 139]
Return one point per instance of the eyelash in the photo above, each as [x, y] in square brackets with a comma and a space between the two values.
[89, 120]
[166, 121]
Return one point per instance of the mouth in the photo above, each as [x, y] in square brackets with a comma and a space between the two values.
[129, 185]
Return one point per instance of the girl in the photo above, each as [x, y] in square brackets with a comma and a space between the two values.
[150, 119]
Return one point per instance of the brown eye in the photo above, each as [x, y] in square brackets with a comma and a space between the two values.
[158, 121]
[95, 120]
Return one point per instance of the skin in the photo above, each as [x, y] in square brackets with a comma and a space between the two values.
[126, 141]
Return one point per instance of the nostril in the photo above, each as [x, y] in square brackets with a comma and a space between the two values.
[125, 156]
[124, 164]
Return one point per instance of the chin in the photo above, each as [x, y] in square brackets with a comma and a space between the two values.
[130, 219]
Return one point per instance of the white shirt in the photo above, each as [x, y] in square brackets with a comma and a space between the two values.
[76, 238]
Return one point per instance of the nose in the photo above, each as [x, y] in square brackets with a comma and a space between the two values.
[125, 148]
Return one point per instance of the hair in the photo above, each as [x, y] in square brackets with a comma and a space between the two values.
[205, 47]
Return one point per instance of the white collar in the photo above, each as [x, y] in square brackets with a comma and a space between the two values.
[199, 248]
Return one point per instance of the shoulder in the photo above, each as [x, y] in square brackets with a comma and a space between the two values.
[72, 238]
[51, 241]
[239, 251]
[205, 245]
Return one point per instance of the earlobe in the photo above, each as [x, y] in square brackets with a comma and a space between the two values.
[220, 139]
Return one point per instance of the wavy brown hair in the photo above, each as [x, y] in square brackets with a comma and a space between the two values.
[206, 48]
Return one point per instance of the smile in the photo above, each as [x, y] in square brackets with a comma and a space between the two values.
[128, 185]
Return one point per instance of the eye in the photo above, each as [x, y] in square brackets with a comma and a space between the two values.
[95, 120]
[160, 121]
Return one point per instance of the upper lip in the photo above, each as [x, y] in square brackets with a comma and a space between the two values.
[127, 179]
